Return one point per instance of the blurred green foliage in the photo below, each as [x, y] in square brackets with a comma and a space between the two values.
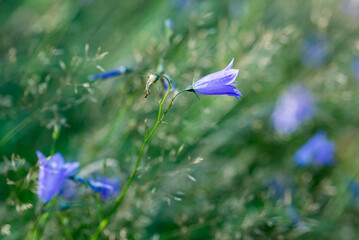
[208, 173]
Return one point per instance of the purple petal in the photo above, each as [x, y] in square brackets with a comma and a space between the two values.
[229, 65]
[41, 157]
[107, 187]
[218, 78]
[55, 162]
[219, 90]
[49, 182]
[70, 168]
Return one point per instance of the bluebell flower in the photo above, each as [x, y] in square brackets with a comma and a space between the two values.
[314, 51]
[293, 108]
[52, 173]
[112, 73]
[355, 68]
[317, 151]
[106, 186]
[218, 83]
[166, 85]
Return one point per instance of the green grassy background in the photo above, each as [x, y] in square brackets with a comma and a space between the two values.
[48, 49]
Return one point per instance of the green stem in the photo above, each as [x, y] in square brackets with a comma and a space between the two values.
[160, 117]
[38, 227]
[16, 129]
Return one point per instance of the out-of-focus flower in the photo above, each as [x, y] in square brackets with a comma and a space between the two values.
[218, 83]
[354, 189]
[116, 72]
[314, 51]
[106, 186]
[294, 107]
[69, 189]
[165, 83]
[53, 172]
[317, 151]
[351, 7]
[355, 68]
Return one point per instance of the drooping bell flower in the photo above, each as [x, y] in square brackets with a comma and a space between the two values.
[292, 109]
[317, 151]
[107, 187]
[166, 84]
[53, 171]
[218, 83]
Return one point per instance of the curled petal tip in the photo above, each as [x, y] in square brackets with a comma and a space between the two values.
[229, 65]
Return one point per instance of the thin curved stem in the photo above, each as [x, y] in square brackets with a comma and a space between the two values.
[160, 117]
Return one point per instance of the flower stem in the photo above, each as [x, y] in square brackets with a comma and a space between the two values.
[160, 117]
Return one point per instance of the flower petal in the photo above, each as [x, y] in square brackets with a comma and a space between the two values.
[226, 77]
[41, 157]
[56, 161]
[219, 90]
[49, 183]
[229, 65]
[107, 187]
[70, 168]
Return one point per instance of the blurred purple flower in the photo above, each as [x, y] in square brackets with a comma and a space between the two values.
[314, 51]
[69, 189]
[317, 151]
[351, 7]
[107, 187]
[218, 83]
[355, 68]
[294, 107]
[165, 83]
[112, 73]
[52, 174]
[354, 189]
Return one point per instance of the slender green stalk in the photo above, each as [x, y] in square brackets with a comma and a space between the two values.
[16, 129]
[38, 227]
[160, 117]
